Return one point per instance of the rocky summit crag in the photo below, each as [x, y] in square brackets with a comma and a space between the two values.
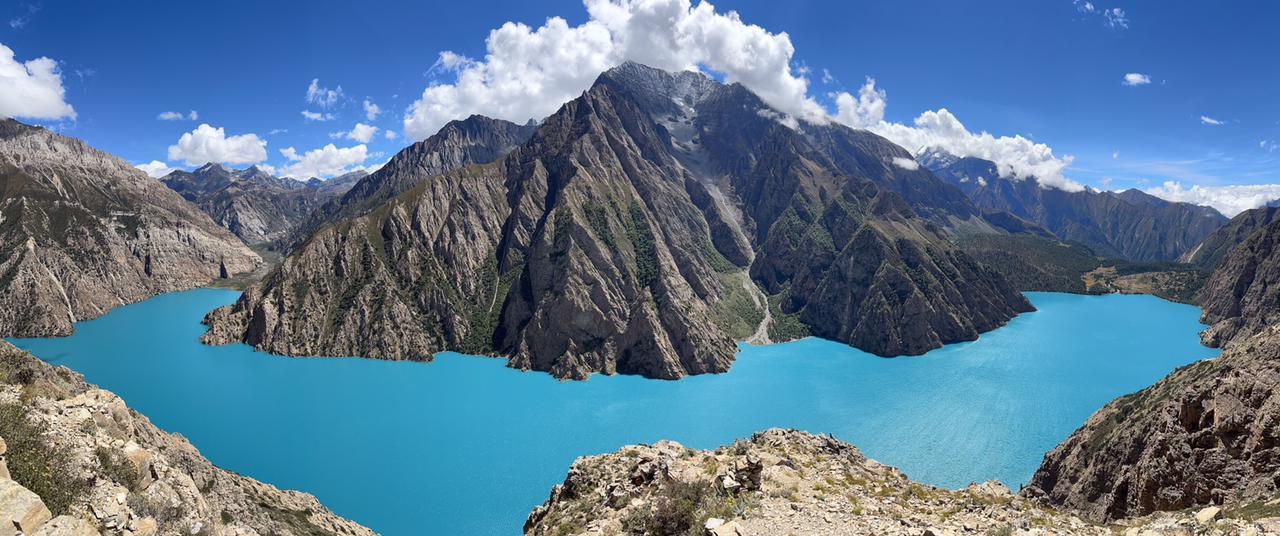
[638, 231]
[82, 231]
[785, 482]
[254, 205]
[75, 461]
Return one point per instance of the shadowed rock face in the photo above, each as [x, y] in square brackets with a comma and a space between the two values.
[1210, 252]
[252, 204]
[82, 231]
[1209, 433]
[475, 140]
[631, 234]
[1129, 225]
[1242, 297]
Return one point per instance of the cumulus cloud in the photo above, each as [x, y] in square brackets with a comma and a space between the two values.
[390, 134]
[1229, 200]
[322, 96]
[361, 133]
[1115, 18]
[317, 116]
[371, 110]
[1136, 79]
[178, 116]
[155, 168]
[906, 163]
[1210, 121]
[324, 162]
[209, 144]
[31, 89]
[1015, 157]
[527, 73]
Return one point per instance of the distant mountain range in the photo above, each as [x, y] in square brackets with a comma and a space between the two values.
[633, 232]
[1129, 225]
[82, 231]
[255, 205]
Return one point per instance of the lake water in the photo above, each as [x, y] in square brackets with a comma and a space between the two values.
[465, 445]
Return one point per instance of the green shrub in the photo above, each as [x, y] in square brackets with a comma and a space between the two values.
[40, 467]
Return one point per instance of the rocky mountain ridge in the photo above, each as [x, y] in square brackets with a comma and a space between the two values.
[1210, 252]
[1129, 225]
[82, 231]
[253, 204]
[632, 234]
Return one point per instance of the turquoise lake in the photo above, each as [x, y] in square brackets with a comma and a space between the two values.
[465, 445]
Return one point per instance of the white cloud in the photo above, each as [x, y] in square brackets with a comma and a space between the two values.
[1136, 79]
[826, 77]
[324, 162]
[389, 134]
[1269, 145]
[323, 96]
[32, 89]
[155, 168]
[371, 110]
[1115, 18]
[1210, 121]
[1084, 7]
[528, 73]
[906, 163]
[178, 116]
[271, 170]
[208, 144]
[1015, 157]
[1229, 200]
[361, 133]
[316, 116]
[275, 131]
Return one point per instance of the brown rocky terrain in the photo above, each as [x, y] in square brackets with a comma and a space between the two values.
[1209, 433]
[76, 461]
[1210, 252]
[633, 234]
[1242, 297]
[783, 482]
[252, 204]
[82, 231]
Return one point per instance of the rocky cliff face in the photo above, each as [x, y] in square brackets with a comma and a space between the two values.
[1242, 297]
[252, 204]
[1209, 253]
[82, 231]
[76, 452]
[1128, 225]
[475, 140]
[782, 482]
[631, 234]
[1209, 433]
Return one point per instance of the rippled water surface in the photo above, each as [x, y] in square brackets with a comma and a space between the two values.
[465, 445]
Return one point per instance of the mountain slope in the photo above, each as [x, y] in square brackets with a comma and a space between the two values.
[82, 231]
[1210, 252]
[1130, 225]
[620, 238]
[474, 140]
[254, 205]
[1209, 433]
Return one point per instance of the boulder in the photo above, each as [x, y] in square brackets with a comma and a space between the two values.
[20, 509]
[1208, 515]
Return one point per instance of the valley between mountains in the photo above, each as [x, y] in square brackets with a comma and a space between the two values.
[646, 228]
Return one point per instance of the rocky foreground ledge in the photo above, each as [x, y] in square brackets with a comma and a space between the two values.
[75, 461]
[783, 482]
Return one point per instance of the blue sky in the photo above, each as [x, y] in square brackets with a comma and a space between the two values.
[1050, 71]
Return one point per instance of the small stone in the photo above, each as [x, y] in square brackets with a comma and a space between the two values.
[712, 523]
[1208, 515]
[4, 447]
